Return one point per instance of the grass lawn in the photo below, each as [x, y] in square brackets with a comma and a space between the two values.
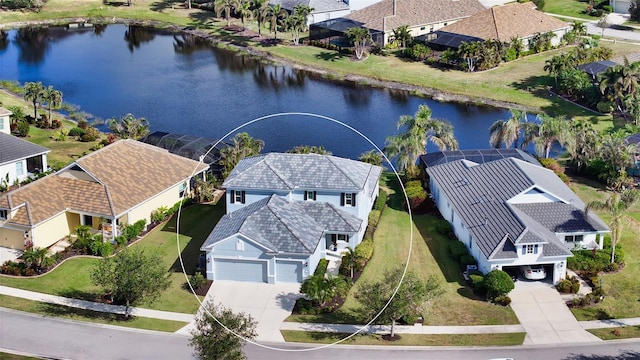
[617, 333]
[70, 313]
[429, 256]
[7, 356]
[71, 279]
[508, 339]
[574, 8]
[622, 289]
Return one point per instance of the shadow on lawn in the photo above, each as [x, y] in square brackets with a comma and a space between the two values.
[160, 6]
[80, 295]
[60, 310]
[623, 355]
[331, 56]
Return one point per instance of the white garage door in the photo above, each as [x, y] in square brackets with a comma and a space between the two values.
[288, 271]
[240, 270]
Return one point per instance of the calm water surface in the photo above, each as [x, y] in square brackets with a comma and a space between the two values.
[181, 85]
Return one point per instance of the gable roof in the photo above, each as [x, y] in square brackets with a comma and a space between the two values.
[134, 172]
[125, 173]
[480, 195]
[479, 156]
[13, 149]
[506, 22]
[282, 226]
[413, 13]
[279, 171]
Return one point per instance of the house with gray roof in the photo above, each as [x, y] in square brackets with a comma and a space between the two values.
[285, 212]
[19, 158]
[511, 213]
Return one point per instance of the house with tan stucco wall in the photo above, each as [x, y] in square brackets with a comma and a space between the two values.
[117, 185]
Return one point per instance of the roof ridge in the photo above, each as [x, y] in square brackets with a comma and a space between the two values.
[330, 158]
[495, 21]
[275, 171]
[336, 210]
[285, 224]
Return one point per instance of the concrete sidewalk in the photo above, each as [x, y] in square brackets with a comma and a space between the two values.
[403, 329]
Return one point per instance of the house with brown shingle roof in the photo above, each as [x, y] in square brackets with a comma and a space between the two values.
[119, 184]
[504, 23]
[421, 16]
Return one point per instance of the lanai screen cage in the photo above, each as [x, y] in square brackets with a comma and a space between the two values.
[332, 32]
[192, 147]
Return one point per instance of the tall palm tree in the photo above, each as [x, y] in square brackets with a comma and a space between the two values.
[402, 35]
[372, 157]
[420, 129]
[616, 205]
[243, 7]
[617, 154]
[129, 127]
[557, 64]
[507, 131]
[579, 28]
[243, 145]
[295, 23]
[53, 98]
[359, 36]
[33, 92]
[304, 11]
[275, 15]
[549, 131]
[225, 6]
[259, 8]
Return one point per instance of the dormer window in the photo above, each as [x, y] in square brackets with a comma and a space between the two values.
[529, 249]
[237, 197]
[310, 195]
[348, 199]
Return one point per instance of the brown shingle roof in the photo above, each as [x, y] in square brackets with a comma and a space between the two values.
[54, 194]
[506, 22]
[134, 171]
[128, 173]
[414, 12]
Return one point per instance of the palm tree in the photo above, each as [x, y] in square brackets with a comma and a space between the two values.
[318, 289]
[129, 127]
[243, 145]
[224, 6]
[469, 52]
[549, 131]
[243, 7]
[359, 36]
[585, 145]
[372, 157]
[618, 155]
[33, 92]
[304, 11]
[616, 205]
[259, 9]
[579, 28]
[295, 23]
[402, 35]
[53, 98]
[34, 257]
[306, 149]
[406, 147]
[507, 131]
[556, 65]
[275, 14]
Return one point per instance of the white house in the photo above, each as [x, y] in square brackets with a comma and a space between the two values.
[284, 211]
[510, 213]
[19, 158]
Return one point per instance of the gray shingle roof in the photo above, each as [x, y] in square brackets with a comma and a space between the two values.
[479, 156]
[479, 195]
[276, 171]
[562, 218]
[282, 226]
[318, 6]
[13, 149]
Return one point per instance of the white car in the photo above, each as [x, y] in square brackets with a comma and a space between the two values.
[533, 272]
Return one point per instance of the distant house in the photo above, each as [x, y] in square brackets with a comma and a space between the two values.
[504, 23]
[421, 16]
[478, 156]
[19, 158]
[285, 212]
[511, 213]
[117, 185]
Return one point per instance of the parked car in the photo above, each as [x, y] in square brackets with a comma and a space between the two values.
[533, 272]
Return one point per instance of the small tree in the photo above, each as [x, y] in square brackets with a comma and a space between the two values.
[359, 36]
[221, 337]
[373, 157]
[411, 295]
[497, 283]
[320, 288]
[132, 276]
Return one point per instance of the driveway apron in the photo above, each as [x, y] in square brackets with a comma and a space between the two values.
[545, 316]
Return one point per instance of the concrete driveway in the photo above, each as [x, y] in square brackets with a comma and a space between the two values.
[545, 316]
[7, 254]
[268, 304]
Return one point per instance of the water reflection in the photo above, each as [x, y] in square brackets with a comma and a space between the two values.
[4, 40]
[98, 29]
[357, 96]
[33, 44]
[137, 35]
[187, 44]
[277, 77]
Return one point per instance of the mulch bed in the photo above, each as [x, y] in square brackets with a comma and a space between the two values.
[202, 290]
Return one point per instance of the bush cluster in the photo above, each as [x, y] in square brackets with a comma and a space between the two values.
[363, 253]
[415, 193]
[132, 231]
[595, 261]
[381, 200]
[497, 283]
[569, 285]
[321, 269]
[159, 214]
[16, 268]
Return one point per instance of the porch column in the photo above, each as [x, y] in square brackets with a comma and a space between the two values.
[600, 241]
[44, 162]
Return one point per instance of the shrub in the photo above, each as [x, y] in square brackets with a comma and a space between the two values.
[321, 269]
[418, 52]
[503, 300]
[23, 128]
[457, 250]
[59, 135]
[417, 196]
[498, 282]
[159, 214]
[510, 55]
[56, 124]
[197, 280]
[412, 184]
[100, 248]
[121, 240]
[365, 249]
[443, 227]
[467, 259]
[91, 134]
[607, 8]
[374, 218]
[477, 283]
[564, 286]
[83, 124]
[551, 164]
[381, 200]
[76, 131]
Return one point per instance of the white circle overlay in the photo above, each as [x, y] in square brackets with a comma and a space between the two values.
[349, 127]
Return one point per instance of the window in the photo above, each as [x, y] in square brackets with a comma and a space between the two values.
[3, 214]
[573, 238]
[237, 197]
[240, 245]
[343, 237]
[529, 249]
[310, 195]
[19, 169]
[182, 188]
[88, 220]
[348, 199]
[1, 122]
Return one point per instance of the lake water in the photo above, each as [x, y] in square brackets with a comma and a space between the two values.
[184, 86]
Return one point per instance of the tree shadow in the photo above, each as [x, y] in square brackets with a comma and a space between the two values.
[439, 247]
[114, 3]
[623, 355]
[287, 300]
[67, 311]
[162, 5]
[330, 56]
[203, 20]
[80, 295]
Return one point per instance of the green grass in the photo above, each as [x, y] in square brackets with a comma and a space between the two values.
[71, 279]
[7, 356]
[617, 333]
[71, 313]
[429, 256]
[572, 8]
[621, 288]
[505, 339]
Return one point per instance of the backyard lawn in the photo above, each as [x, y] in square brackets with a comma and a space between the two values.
[622, 289]
[71, 279]
[573, 8]
[429, 256]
